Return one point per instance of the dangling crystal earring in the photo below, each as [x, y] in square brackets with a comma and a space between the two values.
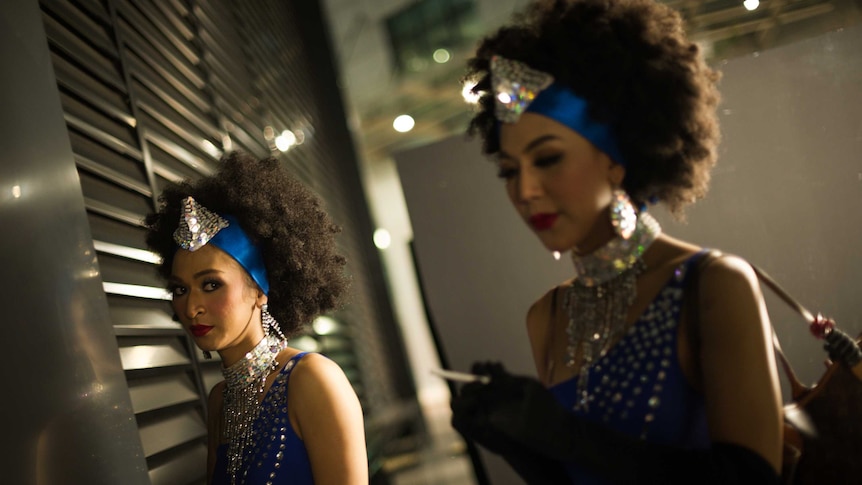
[624, 217]
[207, 355]
[270, 326]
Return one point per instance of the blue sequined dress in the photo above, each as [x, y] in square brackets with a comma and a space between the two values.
[638, 387]
[277, 455]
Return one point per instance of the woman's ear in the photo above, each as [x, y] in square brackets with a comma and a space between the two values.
[261, 299]
[617, 174]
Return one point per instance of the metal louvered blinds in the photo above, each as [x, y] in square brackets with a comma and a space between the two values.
[154, 91]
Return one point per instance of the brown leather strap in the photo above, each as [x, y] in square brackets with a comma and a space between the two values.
[797, 388]
[778, 290]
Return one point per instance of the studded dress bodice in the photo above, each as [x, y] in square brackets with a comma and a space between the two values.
[638, 387]
[277, 455]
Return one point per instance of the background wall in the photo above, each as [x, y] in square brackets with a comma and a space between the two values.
[785, 195]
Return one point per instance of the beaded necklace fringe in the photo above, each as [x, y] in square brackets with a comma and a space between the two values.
[244, 384]
[600, 295]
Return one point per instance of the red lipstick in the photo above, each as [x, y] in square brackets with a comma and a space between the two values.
[541, 222]
[200, 330]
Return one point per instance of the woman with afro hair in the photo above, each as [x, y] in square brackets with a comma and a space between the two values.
[249, 257]
[593, 110]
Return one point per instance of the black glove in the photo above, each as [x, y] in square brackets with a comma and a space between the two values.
[842, 348]
[520, 412]
[473, 410]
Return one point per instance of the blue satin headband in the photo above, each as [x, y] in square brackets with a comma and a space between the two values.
[519, 89]
[200, 226]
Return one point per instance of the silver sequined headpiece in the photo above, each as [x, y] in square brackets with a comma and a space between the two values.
[197, 225]
[515, 86]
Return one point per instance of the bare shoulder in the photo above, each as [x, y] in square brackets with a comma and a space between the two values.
[730, 295]
[729, 268]
[727, 278]
[315, 373]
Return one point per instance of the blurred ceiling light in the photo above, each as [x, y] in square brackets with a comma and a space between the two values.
[16, 191]
[557, 255]
[305, 343]
[468, 94]
[300, 137]
[751, 4]
[403, 123]
[382, 239]
[285, 140]
[441, 56]
[324, 325]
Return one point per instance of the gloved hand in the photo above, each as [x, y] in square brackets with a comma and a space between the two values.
[516, 416]
[842, 348]
[483, 413]
[512, 412]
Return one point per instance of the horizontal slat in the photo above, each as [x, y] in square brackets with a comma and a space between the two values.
[113, 126]
[112, 175]
[161, 392]
[185, 103]
[128, 271]
[83, 84]
[138, 291]
[175, 18]
[117, 232]
[148, 330]
[111, 141]
[144, 60]
[166, 175]
[151, 353]
[179, 152]
[83, 25]
[163, 434]
[66, 44]
[159, 53]
[99, 189]
[105, 209]
[184, 467]
[197, 132]
[127, 252]
[146, 10]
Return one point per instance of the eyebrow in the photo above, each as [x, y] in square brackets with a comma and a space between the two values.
[196, 275]
[533, 144]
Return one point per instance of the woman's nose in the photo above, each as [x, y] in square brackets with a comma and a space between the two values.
[194, 306]
[529, 185]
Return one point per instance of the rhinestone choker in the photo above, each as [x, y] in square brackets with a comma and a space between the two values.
[600, 296]
[244, 384]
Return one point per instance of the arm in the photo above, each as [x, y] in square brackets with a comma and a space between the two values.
[737, 359]
[329, 420]
[214, 411]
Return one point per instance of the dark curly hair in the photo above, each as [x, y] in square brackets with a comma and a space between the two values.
[631, 61]
[281, 216]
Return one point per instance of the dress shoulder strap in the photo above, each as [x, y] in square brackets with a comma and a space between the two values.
[291, 364]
